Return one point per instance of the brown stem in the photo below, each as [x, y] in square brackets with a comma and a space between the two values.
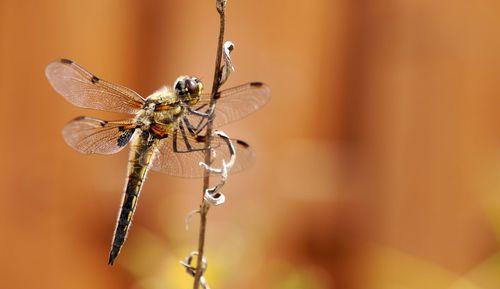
[204, 207]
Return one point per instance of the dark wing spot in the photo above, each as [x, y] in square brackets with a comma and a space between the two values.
[200, 138]
[257, 84]
[125, 137]
[94, 79]
[66, 61]
[242, 143]
[217, 96]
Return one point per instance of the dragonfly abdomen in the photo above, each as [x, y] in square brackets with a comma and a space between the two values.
[139, 160]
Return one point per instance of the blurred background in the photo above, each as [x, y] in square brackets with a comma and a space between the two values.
[378, 158]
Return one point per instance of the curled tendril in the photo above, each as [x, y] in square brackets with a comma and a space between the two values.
[213, 195]
[189, 216]
[227, 67]
[192, 270]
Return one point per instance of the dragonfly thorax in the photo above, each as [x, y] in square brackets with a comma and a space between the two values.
[161, 110]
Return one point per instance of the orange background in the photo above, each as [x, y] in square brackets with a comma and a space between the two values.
[378, 157]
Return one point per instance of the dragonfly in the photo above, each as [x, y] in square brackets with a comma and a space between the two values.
[165, 129]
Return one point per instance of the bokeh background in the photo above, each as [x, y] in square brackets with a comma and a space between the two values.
[378, 157]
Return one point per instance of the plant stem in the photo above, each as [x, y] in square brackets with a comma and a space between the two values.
[204, 207]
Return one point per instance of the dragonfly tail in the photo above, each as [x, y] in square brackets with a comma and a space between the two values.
[139, 159]
[113, 254]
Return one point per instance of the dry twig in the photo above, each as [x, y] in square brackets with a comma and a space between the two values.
[204, 207]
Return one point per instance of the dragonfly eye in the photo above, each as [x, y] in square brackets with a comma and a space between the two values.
[194, 87]
[180, 86]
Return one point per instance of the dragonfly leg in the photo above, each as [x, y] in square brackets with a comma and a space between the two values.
[174, 142]
[209, 112]
[205, 116]
[195, 130]
[184, 137]
[201, 106]
[189, 147]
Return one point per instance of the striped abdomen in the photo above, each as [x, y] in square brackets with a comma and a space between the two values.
[141, 154]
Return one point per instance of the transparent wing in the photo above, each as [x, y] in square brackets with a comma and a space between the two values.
[90, 135]
[234, 103]
[179, 155]
[84, 89]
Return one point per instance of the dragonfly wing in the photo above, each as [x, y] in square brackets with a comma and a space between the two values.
[90, 135]
[234, 103]
[86, 90]
[179, 155]
[245, 156]
[181, 164]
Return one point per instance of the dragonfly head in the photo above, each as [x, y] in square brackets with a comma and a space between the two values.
[188, 89]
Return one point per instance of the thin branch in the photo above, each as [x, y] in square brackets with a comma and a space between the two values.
[204, 207]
